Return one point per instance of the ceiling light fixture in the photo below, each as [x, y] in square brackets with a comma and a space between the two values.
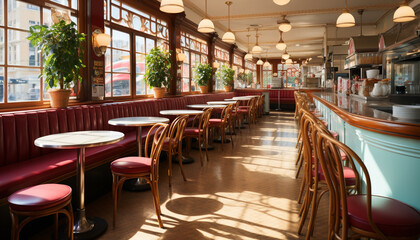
[256, 49]
[284, 24]
[345, 19]
[266, 63]
[285, 55]
[206, 25]
[248, 56]
[172, 6]
[289, 61]
[281, 2]
[404, 13]
[228, 37]
[260, 62]
[281, 45]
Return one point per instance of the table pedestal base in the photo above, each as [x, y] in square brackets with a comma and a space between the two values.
[185, 159]
[136, 185]
[209, 147]
[99, 226]
[219, 140]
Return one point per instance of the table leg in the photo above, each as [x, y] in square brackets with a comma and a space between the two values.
[85, 228]
[139, 184]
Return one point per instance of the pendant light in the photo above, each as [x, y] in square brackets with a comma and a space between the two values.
[171, 6]
[248, 56]
[260, 62]
[206, 25]
[284, 24]
[228, 37]
[345, 19]
[266, 63]
[285, 55]
[281, 45]
[404, 13]
[281, 2]
[289, 61]
[256, 49]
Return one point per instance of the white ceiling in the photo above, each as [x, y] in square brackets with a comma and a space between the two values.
[309, 18]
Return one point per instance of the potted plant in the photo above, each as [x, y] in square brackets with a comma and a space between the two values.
[62, 52]
[158, 70]
[245, 78]
[226, 74]
[203, 76]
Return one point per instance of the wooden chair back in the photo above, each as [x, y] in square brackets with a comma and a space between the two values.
[155, 137]
[328, 152]
[176, 130]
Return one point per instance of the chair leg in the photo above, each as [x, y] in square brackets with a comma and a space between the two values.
[15, 227]
[115, 192]
[206, 143]
[305, 210]
[299, 138]
[222, 135]
[155, 195]
[180, 161]
[230, 130]
[199, 149]
[299, 154]
[71, 221]
[302, 189]
[169, 152]
[313, 215]
[299, 167]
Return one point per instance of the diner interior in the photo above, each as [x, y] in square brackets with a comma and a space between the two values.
[182, 119]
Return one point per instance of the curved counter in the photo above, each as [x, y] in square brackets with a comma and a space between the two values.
[389, 147]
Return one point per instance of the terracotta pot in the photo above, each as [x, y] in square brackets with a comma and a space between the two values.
[228, 88]
[158, 92]
[204, 89]
[59, 98]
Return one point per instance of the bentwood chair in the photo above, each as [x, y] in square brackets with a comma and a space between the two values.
[313, 181]
[248, 112]
[200, 131]
[173, 144]
[40, 201]
[366, 215]
[223, 122]
[235, 117]
[141, 167]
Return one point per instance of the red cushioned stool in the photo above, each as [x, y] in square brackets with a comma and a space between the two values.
[40, 201]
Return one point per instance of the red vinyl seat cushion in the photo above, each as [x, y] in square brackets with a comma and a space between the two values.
[39, 197]
[349, 176]
[192, 131]
[129, 165]
[393, 218]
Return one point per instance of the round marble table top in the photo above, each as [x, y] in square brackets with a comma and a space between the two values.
[203, 106]
[181, 112]
[137, 121]
[221, 102]
[73, 140]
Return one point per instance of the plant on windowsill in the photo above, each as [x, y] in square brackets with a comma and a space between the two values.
[158, 70]
[245, 78]
[202, 76]
[62, 52]
[226, 74]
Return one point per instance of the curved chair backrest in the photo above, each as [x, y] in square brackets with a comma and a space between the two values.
[155, 138]
[205, 117]
[226, 113]
[328, 152]
[176, 129]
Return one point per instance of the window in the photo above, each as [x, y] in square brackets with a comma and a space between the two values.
[125, 65]
[195, 50]
[21, 67]
[267, 75]
[289, 73]
[251, 68]
[223, 58]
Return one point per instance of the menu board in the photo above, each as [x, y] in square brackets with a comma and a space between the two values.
[98, 81]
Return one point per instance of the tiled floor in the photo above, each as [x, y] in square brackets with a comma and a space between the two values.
[245, 192]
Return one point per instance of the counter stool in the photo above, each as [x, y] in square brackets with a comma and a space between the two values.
[40, 201]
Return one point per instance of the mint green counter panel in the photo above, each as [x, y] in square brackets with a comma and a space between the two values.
[393, 162]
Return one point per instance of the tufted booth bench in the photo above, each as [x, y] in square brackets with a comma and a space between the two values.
[22, 164]
[287, 99]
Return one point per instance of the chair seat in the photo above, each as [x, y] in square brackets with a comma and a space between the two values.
[242, 111]
[349, 176]
[244, 107]
[39, 197]
[128, 165]
[192, 131]
[215, 121]
[392, 217]
[334, 134]
[168, 141]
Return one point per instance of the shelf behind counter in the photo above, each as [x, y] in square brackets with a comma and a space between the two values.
[389, 147]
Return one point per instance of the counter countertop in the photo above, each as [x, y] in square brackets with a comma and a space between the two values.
[371, 115]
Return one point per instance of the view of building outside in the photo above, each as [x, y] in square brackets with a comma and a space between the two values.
[223, 58]
[267, 75]
[289, 74]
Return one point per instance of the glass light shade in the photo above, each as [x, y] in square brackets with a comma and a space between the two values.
[260, 62]
[345, 20]
[404, 14]
[267, 64]
[281, 2]
[285, 56]
[206, 26]
[228, 37]
[102, 39]
[289, 61]
[172, 6]
[248, 56]
[180, 57]
[281, 46]
[247, 71]
[285, 27]
[216, 65]
[256, 49]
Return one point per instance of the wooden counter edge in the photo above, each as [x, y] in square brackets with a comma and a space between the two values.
[405, 130]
